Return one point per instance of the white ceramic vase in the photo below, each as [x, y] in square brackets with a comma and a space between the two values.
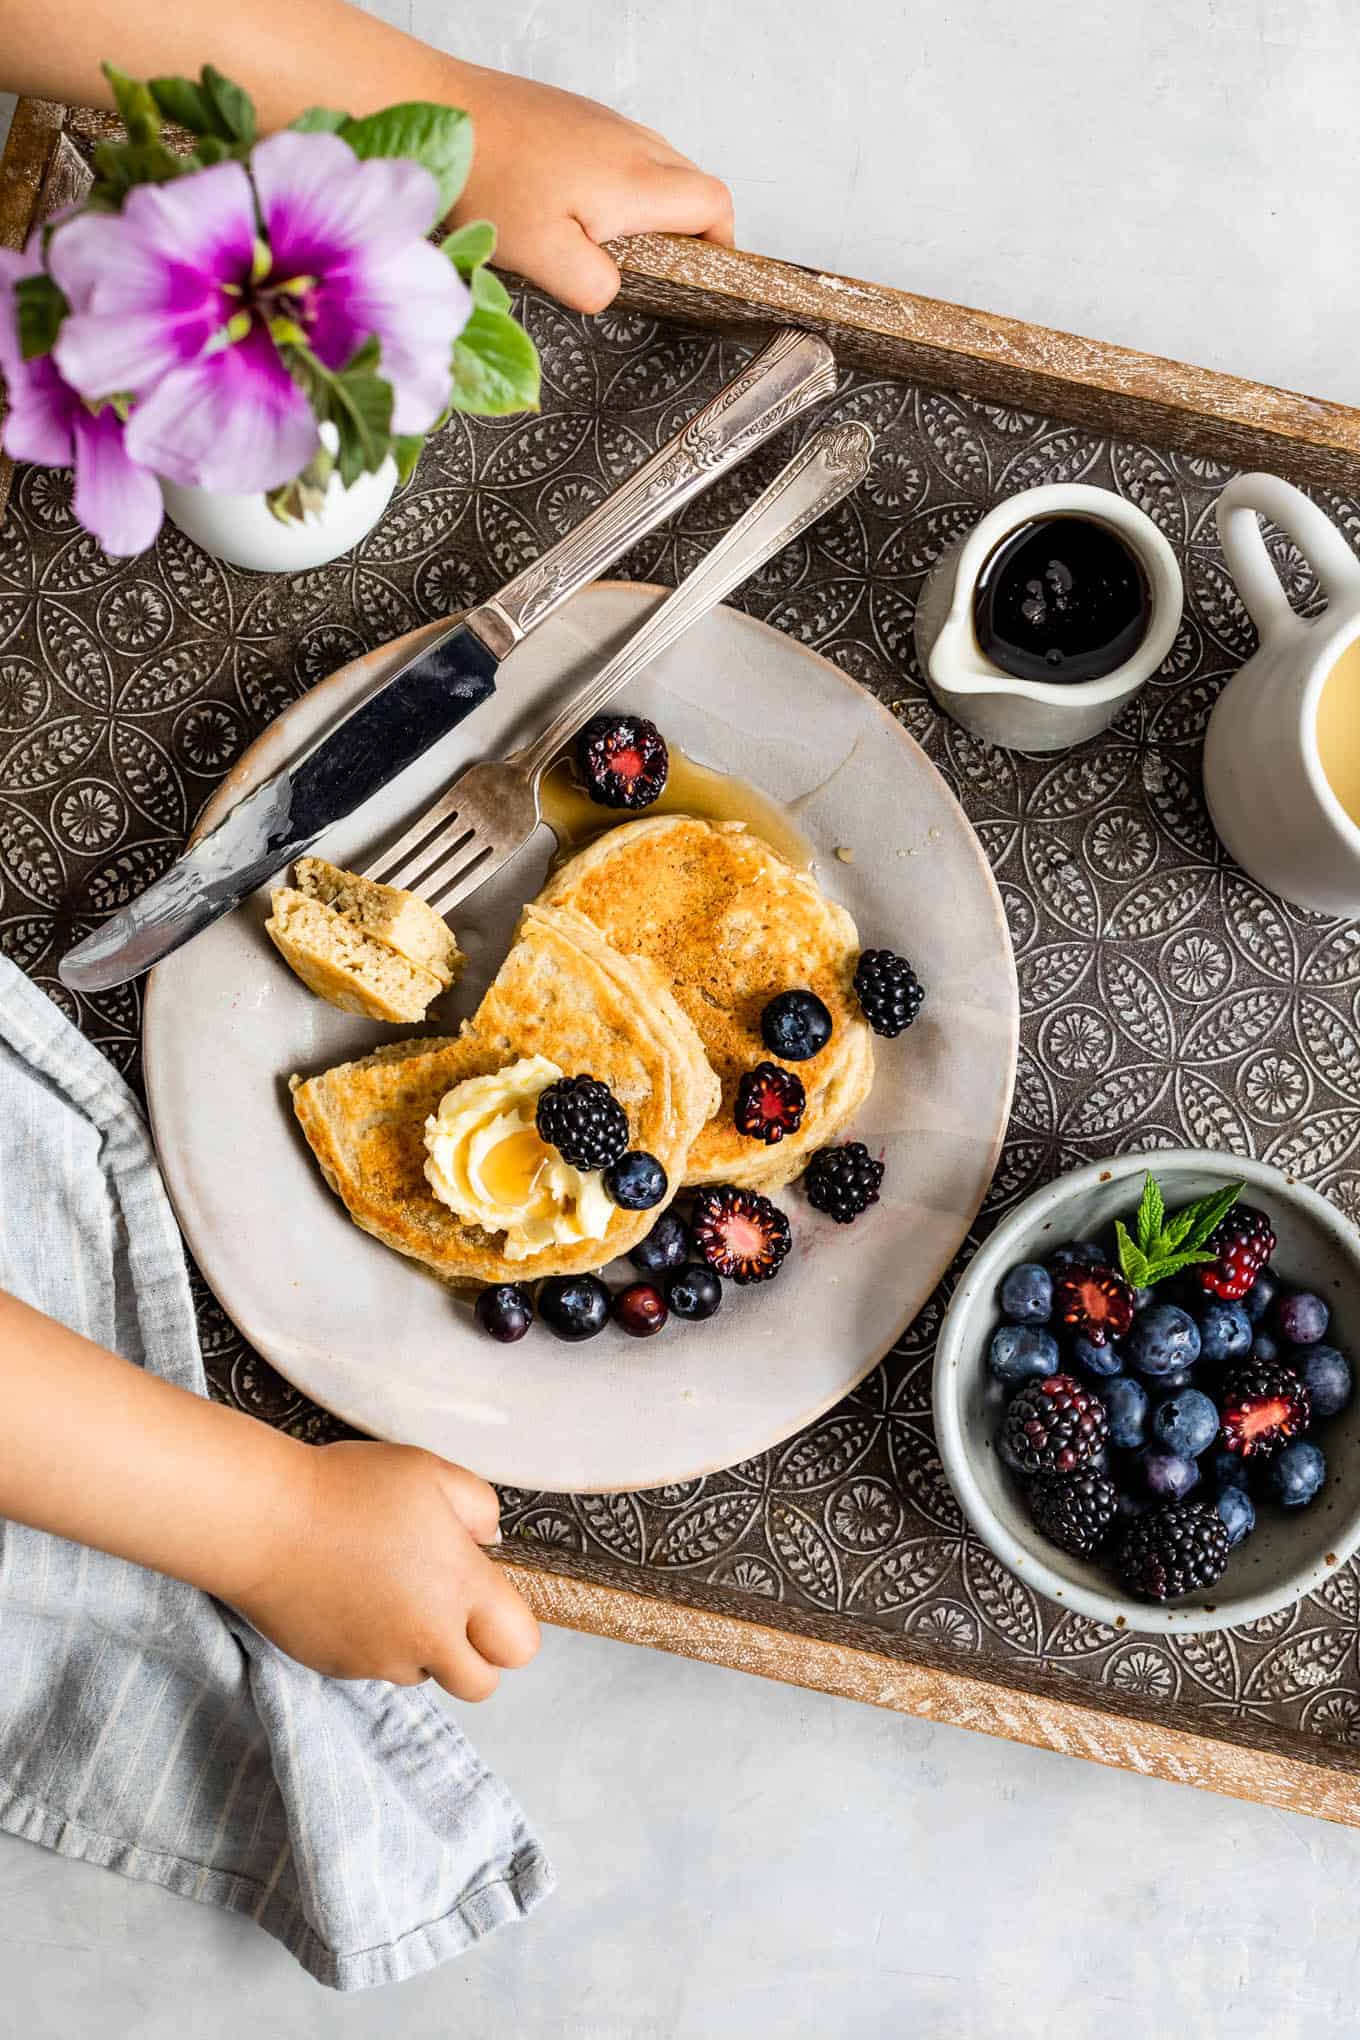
[243, 530]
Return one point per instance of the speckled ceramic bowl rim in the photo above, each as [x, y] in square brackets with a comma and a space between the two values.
[959, 1340]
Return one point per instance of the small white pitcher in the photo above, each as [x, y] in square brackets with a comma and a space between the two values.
[1038, 715]
[1268, 794]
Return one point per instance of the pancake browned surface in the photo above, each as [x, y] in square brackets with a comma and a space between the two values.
[729, 924]
[564, 993]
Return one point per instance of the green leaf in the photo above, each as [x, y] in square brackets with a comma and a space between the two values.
[470, 245]
[495, 366]
[355, 399]
[489, 292]
[135, 104]
[40, 309]
[1172, 1264]
[1132, 1260]
[212, 149]
[407, 448]
[121, 165]
[319, 120]
[1151, 1211]
[439, 137]
[1208, 1212]
[306, 493]
[179, 99]
[233, 109]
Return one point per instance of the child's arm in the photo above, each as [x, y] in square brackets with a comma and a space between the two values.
[556, 173]
[361, 1560]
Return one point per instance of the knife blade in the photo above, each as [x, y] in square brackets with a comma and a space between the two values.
[436, 689]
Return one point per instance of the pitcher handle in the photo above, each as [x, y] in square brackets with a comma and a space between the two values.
[1239, 506]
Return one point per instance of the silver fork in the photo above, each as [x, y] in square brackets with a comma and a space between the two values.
[491, 810]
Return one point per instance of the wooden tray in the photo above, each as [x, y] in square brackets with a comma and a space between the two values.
[1165, 997]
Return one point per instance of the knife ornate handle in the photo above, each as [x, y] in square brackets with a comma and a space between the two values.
[793, 371]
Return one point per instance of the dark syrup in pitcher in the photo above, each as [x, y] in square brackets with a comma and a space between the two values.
[1062, 599]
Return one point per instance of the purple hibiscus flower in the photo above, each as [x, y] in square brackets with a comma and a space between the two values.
[47, 422]
[172, 303]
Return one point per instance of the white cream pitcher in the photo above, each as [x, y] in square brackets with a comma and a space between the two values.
[1282, 750]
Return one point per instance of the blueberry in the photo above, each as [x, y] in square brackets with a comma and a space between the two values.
[1186, 1424]
[506, 1311]
[1260, 1296]
[636, 1181]
[1128, 1508]
[1162, 1340]
[666, 1245]
[1126, 1405]
[574, 1306]
[1027, 1294]
[693, 1291]
[1297, 1471]
[1264, 1347]
[1081, 1253]
[795, 1025]
[1173, 1383]
[1022, 1353]
[1101, 1361]
[1224, 1332]
[1142, 1298]
[1167, 1475]
[1229, 1469]
[1326, 1375]
[1238, 1513]
[1301, 1318]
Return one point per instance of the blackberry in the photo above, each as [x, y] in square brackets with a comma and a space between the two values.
[1054, 1426]
[888, 990]
[843, 1181]
[1243, 1242]
[1263, 1405]
[1093, 1302]
[770, 1103]
[1075, 1510]
[1173, 1550]
[739, 1233]
[582, 1119]
[623, 760]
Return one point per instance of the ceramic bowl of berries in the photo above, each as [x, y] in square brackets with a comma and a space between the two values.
[1144, 1391]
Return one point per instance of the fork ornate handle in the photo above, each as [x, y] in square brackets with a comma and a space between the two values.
[832, 463]
[793, 371]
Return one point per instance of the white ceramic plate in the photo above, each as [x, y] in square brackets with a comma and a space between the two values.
[378, 1341]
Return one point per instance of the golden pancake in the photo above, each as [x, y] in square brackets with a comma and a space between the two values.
[564, 993]
[729, 923]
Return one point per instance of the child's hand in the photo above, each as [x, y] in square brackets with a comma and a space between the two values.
[559, 174]
[384, 1578]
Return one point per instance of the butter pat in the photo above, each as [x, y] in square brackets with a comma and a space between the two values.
[485, 1160]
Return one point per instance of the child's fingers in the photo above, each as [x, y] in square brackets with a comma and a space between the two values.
[570, 265]
[503, 1630]
[679, 199]
[465, 1673]
[475, 1502]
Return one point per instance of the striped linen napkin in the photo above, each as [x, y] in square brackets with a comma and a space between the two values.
[147, 1727]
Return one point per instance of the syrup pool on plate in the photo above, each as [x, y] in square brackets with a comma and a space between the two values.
[1061, 599]
[1338, 729]
[690, 789]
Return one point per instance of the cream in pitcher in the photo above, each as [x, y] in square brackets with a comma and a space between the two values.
[1282, 750]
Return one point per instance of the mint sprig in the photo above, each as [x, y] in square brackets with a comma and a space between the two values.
[1161, 1246]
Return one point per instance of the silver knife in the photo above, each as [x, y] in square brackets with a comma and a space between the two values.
[435, 690]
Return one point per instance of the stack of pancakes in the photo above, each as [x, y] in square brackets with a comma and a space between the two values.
[647, 962]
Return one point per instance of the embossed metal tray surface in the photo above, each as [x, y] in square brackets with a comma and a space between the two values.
[1165, 998]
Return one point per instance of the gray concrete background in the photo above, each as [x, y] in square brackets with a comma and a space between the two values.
[736, 1857]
